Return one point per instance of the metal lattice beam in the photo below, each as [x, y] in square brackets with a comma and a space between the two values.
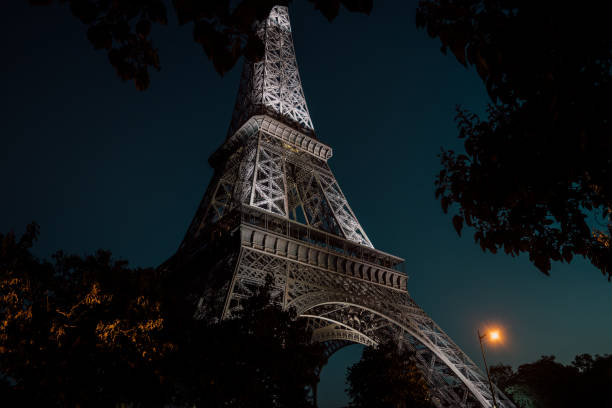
[270, 169]
[273, 84]
[345, 308]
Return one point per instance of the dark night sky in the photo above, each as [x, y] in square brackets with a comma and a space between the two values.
[100, 165]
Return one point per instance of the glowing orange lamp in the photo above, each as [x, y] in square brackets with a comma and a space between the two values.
[493, 336]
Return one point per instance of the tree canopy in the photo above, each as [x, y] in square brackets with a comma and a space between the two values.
[387, 377]
[89, 331]
[536, 174]
[224, 29]
[547, 383]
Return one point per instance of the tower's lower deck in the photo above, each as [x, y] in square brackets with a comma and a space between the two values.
[348, 292]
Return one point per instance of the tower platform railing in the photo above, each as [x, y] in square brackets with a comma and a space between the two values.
[314, 236]
[253, 216]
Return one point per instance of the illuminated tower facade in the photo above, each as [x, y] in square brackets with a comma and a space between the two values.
[274, 207]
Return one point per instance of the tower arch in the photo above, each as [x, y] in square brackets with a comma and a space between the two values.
[451, 384]
[273, 167]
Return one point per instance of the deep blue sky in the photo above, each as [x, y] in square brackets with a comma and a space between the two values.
[100, 165]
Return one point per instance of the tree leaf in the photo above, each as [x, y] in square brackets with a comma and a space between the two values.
[458, 223]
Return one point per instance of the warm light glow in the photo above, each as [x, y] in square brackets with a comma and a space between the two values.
[494, 335]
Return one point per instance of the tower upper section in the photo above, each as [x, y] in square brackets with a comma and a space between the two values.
[271, 163]
[272, 85]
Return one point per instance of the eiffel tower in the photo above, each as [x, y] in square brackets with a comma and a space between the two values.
[273, 207]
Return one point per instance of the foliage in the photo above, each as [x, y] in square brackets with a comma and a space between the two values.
[79, 330]
[386, 376]
[224, 29]
[536, 176]
[263, 358]
[547, 383]
[501, 375]
[92, 332]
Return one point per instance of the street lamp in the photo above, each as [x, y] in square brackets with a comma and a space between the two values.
[493, 335]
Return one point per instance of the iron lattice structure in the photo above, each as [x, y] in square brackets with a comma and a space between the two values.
[275, 207]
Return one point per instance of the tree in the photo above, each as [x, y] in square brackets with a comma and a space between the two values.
[262, 358]
[92, 332]
[78, 331]
[386, 376]
[594, 379]
[501, 375]
[224, 29]
[536, 173]
[550, 383]
[546, 383]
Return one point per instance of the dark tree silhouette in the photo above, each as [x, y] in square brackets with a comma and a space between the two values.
[262, 358]
[549, 384]
[78, 331]
[92, 332]
[224, 29]
[536, 176]
[386, 377]
[501, 375]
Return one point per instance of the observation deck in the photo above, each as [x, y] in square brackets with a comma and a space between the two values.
[276, 235]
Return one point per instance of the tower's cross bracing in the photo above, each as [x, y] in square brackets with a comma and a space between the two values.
[273, 84]
[274, 207]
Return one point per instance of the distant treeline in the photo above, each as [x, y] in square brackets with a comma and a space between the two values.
[546, 383]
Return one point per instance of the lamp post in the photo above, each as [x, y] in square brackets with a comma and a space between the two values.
[494, 336]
